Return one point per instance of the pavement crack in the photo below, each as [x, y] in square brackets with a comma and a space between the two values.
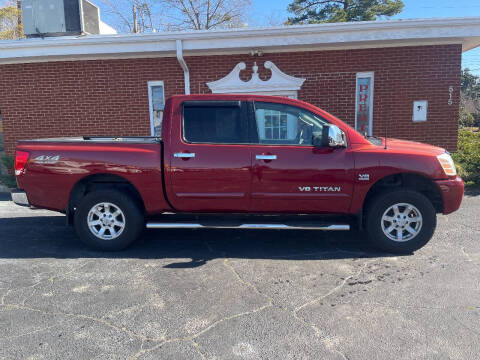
[5, 296]
[31, 332]
[192, 338]
[469, 227]
[197, 347]
[329, 344]
[79, 316]
[333, 290]
[227, 263]
[467, 255]
[51, 279]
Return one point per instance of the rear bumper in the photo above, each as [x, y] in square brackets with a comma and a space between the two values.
[19, 197]
[452, 193]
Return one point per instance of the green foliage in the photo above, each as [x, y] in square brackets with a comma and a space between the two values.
[8, 179]
[320, 11]
[8, 162]
[467, 158]
[9, 23]
[470, 85]
[466, 119]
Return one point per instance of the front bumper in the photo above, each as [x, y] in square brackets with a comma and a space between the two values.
[452, 193]
[19, 197]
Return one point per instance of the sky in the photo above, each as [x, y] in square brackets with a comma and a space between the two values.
[274, 12]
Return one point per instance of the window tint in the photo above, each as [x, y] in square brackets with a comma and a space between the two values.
[214, 124]
[286, 125]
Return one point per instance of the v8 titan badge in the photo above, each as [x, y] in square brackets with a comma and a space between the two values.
[320, 188]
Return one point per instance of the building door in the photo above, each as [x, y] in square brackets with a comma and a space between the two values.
[288, 173]
[211, 165]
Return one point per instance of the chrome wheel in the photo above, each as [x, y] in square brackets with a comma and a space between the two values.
[106, 221]
[401, 222]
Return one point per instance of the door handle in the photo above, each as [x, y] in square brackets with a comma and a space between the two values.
[266, 157]
[184, 155]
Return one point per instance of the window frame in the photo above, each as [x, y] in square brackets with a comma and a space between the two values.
[150, 85]
[362, 75]
[243, 108]
[255, 129]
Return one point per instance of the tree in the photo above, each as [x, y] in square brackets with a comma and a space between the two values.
[320, 11]
[133, 15]
[206, 14]
[155, 15]
[469, 99]
[10, 20]
[470, 85]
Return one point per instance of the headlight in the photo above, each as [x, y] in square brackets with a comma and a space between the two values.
[447, 164]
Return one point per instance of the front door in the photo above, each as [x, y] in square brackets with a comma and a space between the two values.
[288, 173]
[210, 161]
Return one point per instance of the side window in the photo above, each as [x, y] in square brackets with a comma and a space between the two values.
[156, 99]
[214, 124]
[279, 124]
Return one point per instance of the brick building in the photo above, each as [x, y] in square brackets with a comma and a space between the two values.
[405, 71]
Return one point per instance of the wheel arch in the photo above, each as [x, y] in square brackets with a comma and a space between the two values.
[406, 181]
[97, 182]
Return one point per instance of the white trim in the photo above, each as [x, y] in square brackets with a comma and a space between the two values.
[150, 102]
[150, 55]
[279, 83]
[82, 19]
[465, 31]
[362, 75]
[183, 64]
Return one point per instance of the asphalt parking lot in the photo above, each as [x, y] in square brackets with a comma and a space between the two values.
[243, 294]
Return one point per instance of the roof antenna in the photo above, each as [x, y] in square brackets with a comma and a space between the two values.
[386, 125]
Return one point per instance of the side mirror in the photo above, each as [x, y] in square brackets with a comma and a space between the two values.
[331, 136]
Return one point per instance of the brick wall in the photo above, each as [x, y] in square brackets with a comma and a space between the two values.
[110, 97]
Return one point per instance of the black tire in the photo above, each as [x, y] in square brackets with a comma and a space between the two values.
[132, 217]
[381, 203]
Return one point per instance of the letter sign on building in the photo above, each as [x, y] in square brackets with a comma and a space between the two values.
[364, 103]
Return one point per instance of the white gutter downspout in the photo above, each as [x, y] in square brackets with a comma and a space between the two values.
[183, 64]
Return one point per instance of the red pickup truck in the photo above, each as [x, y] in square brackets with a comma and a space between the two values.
[241, 161]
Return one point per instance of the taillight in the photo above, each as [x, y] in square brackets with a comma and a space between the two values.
[21, 158]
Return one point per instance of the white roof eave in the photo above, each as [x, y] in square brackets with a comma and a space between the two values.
[465, 31]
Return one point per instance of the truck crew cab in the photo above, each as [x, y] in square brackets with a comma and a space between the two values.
[241, 161]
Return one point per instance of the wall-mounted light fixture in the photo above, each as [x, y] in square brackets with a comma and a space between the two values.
[257, 52]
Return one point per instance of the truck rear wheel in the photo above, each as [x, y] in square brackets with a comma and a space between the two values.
[108, 220]
[400, 221]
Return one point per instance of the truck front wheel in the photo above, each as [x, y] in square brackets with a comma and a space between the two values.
[400, 221]
[108, 220]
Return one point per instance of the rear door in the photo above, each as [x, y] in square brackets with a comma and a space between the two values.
[288, 173]
[210, 161]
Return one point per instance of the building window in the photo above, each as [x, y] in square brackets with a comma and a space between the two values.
[275, 125]
[156, 98]
[364, 103]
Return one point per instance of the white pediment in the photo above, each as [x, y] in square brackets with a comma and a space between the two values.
[279, 82]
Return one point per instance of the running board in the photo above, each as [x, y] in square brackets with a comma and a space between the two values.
[160, 225]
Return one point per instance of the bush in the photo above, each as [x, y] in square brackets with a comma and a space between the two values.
[466, 119]
[467, 157]
[8, 179]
